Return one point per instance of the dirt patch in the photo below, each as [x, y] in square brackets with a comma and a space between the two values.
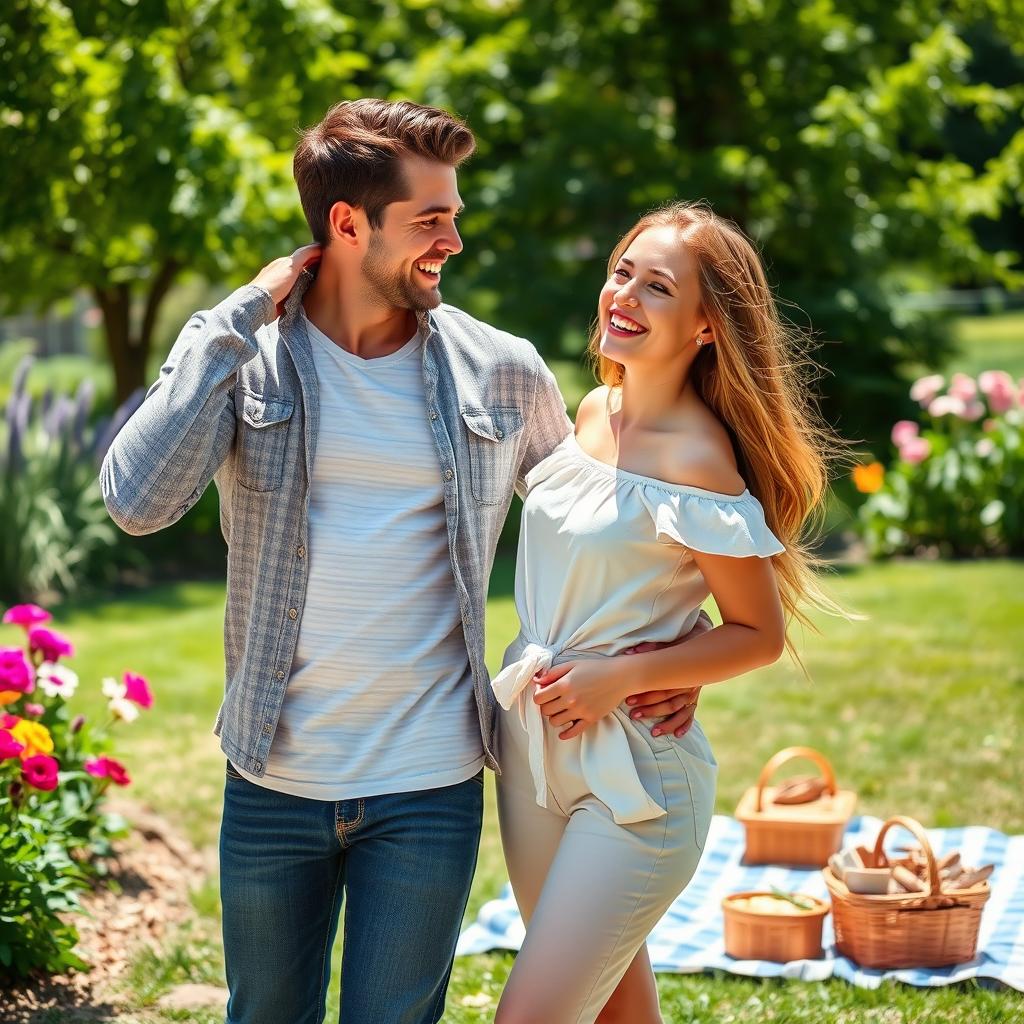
[155, 868]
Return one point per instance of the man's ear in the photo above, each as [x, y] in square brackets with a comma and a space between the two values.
[346, 224]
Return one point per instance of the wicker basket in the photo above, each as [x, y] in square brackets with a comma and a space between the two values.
[778, 937]
[932, 929]
[804, 835]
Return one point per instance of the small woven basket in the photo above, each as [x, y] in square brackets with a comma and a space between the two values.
[929, 929]
[805, 835]
[778, 937]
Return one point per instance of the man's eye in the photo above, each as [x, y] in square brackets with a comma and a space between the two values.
[429, 223]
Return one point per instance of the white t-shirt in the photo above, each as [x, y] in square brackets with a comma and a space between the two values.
[380, 697]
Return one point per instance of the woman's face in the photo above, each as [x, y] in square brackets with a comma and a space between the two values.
[649, 309]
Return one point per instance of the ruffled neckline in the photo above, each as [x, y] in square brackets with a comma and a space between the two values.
[573, 447]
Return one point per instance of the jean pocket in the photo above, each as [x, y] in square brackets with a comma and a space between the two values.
[492, 441]
[232, 772]
[261, 441]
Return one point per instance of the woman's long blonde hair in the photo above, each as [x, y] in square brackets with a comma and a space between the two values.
[756, 378]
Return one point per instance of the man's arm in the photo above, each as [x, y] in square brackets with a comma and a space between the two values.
[164, 457]
[548, 424]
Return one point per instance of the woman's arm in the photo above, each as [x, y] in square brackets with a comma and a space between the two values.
[752, 634]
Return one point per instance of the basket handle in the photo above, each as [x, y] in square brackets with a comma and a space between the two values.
[776, 761]
[917, 830]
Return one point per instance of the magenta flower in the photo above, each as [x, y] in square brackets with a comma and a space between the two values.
[998, 387]
[925, 389]
[9, 746]
[136, 689]
[9, 721]
[26, 615]
[35, 710]
[40, 771]
[915, 450]
[108, 768]
[903, 431]
[16, 670]
[51, 645]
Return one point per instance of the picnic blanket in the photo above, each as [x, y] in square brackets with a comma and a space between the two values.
[689, 937]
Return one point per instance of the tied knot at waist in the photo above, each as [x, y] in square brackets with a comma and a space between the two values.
[605, 756]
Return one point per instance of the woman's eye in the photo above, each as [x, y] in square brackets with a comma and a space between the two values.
[620, 273]
[660, 287]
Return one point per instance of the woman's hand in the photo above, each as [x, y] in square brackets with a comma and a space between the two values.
[279, 276]
[574, 695]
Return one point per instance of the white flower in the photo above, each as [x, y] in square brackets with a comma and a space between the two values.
[56, 679]
[112, 688]
[123, 709]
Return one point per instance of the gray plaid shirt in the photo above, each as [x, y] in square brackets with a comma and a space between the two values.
[236, 403]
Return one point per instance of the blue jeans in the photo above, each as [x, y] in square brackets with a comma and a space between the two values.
[404, 862]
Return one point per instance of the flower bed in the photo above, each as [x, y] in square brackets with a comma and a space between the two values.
[956, 485]
[55, 770]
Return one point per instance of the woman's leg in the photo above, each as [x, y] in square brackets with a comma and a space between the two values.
[635, 999]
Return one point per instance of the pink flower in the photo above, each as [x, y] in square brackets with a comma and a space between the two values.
[26, 615]
[36, 710]
[51, 645]
[915, 450]
[925, 389]
[973, 411]
[9, 721]
[946, 405]
[903, 431]
[9, 746]
[136, 689]
[963, 387]
[108, 768]
[40, 771]
[984, 448]
[16, 670]
[998, 387]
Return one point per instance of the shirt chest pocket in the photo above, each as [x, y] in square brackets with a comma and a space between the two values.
[493, 441]
[261, 441]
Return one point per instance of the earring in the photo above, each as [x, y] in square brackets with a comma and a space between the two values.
[699, 340]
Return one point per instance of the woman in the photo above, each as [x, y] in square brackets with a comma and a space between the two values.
[692, 472]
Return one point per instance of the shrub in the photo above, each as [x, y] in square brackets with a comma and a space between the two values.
[56, 527]
[54, 774]
[956, 486]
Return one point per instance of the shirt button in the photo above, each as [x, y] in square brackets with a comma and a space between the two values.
[279, 674]
[266, 729]
[448, 474]
[258, 766]
[301, 552]
[293, 613]
[433, 414]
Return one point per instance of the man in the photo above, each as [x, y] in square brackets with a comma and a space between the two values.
[366, 442]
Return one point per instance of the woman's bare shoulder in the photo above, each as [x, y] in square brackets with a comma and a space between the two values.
[700, 454]
[593, 406]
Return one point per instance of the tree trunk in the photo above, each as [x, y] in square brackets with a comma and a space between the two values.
[129, 350]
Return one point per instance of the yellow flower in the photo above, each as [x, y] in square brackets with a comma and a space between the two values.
[35, 736]
[868, 479]
[9, 696]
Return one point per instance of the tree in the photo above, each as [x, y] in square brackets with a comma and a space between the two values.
[146, 141]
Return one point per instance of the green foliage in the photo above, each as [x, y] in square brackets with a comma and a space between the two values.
[55, 833]
[960, 493]
[56, 528]
[863, 148]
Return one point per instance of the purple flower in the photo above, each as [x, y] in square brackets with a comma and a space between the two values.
[16, 670]
[51, 645]
[26, 615]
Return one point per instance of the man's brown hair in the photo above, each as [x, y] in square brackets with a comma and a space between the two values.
[353, 155]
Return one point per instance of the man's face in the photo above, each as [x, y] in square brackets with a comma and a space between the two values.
[403, 260]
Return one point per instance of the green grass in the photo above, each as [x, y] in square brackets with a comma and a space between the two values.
[989, 343]
[917, 708]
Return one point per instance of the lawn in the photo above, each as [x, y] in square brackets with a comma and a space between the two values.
[917, 708]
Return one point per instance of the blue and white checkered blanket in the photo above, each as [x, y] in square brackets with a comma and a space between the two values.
[689, 937]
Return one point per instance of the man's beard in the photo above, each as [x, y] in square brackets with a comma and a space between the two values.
[390, 285]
